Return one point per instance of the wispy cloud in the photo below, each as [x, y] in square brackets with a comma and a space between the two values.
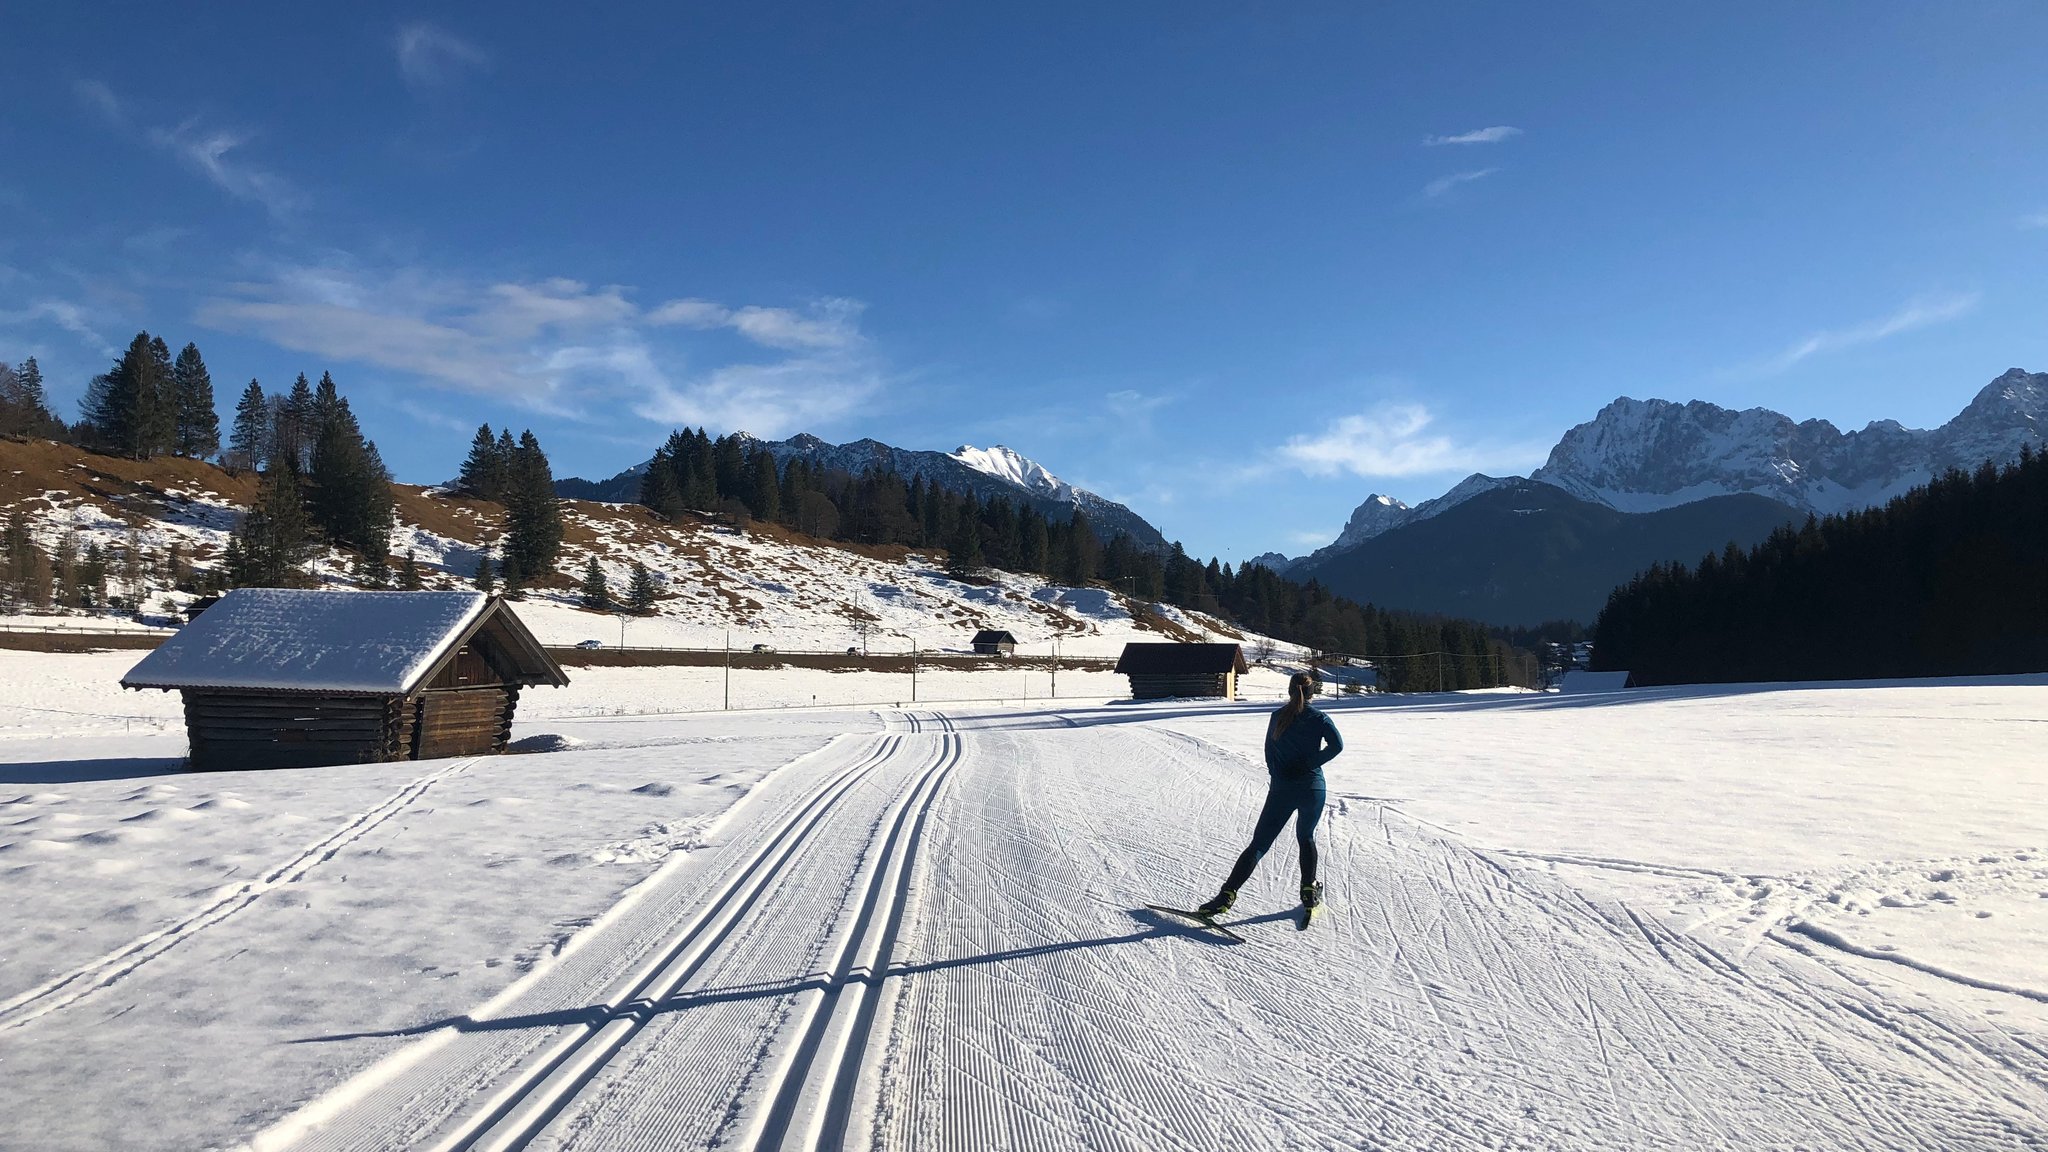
[2036, 220]
[429, 57]
[1444, 184]
[563, 347]
[1493, 135]
[1395, 440]
[209, 152]
[64, 314]
[101, 99]
[831, 323]
[1920, 313]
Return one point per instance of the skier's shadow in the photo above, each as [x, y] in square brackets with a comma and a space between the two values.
[1157, 926]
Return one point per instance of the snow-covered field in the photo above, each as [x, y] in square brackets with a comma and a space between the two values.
[1727, 918]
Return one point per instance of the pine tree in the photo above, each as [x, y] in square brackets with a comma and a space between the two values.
[484, 580]
[249, 442]
[197, 425]
[640, 593]
[533, 518]
[130, 407]
[273, 535]
[510, 576]
[409, 573]
[963, 553]
[291, 437]
[597, 595]
[326, 409]
[764, 498]
[24, 409]
[483, 471]
[351, 491]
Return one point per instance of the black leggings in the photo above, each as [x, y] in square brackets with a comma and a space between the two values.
[1303, 801]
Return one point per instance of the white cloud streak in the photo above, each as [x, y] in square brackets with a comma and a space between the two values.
[207, 151]
[831, 323]
[1444, 184]
[429, 57]
[2037, 220]
[1919, 313]
[1394, 440]
[562, 347]
[1493, 135]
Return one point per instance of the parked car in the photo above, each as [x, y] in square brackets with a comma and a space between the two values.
[853, 651]
[763, 648]
[591, 644]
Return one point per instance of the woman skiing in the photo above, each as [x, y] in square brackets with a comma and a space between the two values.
[1299, 741]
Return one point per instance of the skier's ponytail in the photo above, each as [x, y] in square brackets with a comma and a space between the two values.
[1300, 687]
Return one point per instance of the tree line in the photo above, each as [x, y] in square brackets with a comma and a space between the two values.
[738, 477]
[1949, 579]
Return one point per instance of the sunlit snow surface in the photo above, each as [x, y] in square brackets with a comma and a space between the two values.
[1702, 918]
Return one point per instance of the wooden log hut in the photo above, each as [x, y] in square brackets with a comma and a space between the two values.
[291, 678]
[992, 642]
[1159, 671]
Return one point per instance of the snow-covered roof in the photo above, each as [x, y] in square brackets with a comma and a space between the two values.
[373, 643]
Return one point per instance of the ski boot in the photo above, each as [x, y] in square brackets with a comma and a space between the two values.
[1311, 903]
[1219, 904]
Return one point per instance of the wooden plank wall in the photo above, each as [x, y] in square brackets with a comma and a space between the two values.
[1158, 686]
[241, 730]
[471, 721]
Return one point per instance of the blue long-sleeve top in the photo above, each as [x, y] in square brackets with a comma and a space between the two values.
[1302, 750]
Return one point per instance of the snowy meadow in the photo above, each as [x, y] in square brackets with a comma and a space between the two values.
[1729, 917]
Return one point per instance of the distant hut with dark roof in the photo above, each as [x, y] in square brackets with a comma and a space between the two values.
[991, 642]
[1158, 671]
[290, 678]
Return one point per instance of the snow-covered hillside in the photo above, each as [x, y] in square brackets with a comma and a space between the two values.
[758, 585]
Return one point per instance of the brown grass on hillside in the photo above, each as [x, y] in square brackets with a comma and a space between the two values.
[126, 489]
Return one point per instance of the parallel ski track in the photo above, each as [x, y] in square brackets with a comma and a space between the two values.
[811, 1086]
[70, 987]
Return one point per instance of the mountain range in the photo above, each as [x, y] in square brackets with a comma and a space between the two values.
[987, 472]
[1734, 475]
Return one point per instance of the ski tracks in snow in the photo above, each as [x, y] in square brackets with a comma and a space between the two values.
[735, 1007]
[68, 988]
[1446, 1001]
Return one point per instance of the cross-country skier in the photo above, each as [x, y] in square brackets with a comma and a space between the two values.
[1299, 741]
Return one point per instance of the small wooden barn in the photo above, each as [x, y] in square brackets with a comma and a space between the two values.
[1163, 670]
[291, 678]
[990, 642]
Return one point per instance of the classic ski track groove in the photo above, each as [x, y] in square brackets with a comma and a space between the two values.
[523, 1108]
[70, 987]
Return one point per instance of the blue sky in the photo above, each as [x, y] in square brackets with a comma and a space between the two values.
[1234, 265]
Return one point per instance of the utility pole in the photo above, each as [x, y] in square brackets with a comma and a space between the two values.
[913, 669]
[728, 669]
[1055, 665]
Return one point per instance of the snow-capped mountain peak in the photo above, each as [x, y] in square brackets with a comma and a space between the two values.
[1015, 468]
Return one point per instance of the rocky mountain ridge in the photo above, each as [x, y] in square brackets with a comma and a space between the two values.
[1649, 455]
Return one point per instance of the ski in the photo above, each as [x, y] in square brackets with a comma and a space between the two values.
[1197, 917]
[1308, 917]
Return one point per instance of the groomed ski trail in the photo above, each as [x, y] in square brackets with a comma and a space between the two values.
[746, 982]
[932, 940]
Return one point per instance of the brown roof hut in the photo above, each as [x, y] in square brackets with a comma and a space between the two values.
[990, 642]
[291, 678]
[1158, 671]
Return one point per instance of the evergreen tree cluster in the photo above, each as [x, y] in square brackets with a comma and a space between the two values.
[1950, 579]
[515, 473]
[321, 482]
[24, 406]
[149, 404]
[736, 476]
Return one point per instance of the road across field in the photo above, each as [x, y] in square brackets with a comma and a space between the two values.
[934, 938]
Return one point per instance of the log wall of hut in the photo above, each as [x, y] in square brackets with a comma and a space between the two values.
[1158, 686]
[240, 730]
[473, 721]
